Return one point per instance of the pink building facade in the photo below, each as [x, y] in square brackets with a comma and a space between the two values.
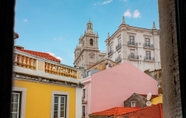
[111, 87]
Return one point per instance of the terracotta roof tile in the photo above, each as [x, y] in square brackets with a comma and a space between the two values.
[115, 111]
[154, 111]
[40, 54]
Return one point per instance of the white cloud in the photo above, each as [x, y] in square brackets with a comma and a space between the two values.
[136, 14]
[103, 3]
[60, 59]
[52, 54]
[127, 13]
[25, 20]
[59, 38]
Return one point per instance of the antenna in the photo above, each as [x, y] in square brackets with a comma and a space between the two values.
[148, 103]
[149, 95]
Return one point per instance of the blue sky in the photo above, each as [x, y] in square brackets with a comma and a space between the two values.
[55, 26]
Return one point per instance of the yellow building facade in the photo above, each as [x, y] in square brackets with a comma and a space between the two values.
[157, 100]
[43, 88]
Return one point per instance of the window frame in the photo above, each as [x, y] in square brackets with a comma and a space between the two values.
[180, 30]
[147, 42]
[59, 93]
[59, 106]
[132, 40]
[22, 100]
[132, 53]
[133, 103]
[18, 103]
[147, 55]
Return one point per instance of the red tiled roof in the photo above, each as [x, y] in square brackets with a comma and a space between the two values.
[154, 111]
[115, 111]
[40, 54]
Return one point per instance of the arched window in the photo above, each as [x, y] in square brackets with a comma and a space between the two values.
[91, 42]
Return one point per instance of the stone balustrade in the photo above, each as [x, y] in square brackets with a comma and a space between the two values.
[32, 63]
[24, 61]
[60, 70]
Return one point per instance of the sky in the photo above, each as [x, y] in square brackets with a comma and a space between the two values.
[55, 26]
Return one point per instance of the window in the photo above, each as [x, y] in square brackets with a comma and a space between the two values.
[111, 48]
[84, 93]
[119, 41]
[91, 42]
[133, 103]
[83, 110]
[60, 106]
[148, 55]
[89, 73]
[147, 42]
[132, 53]
[15, 105]
[131, 39]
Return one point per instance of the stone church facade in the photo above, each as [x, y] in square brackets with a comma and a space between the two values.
[139, 46]
[87, 51]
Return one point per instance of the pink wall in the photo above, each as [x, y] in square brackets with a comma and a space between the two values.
[87, 86]
[110, 87]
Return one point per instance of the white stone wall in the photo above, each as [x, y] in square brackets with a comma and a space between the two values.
[140, 34]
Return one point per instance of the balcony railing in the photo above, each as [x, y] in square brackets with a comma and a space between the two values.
[118, 59]
[118, 46]
[147, 45]
[134, 44]
[24, 61]
[133, 57]
[59, 70]
[110, 53]
[148, 58]
[29, 62]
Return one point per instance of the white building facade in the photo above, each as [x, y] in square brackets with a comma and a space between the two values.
[140, 46]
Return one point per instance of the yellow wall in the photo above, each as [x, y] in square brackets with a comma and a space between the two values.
[39, 97]
[157, 100]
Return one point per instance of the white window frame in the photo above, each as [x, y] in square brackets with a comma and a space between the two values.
[18, 103]
[133, 103]
[147, 41]
[67, 94]
[132, 39]
[132, 53]
[23, 100]
[148, 54]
